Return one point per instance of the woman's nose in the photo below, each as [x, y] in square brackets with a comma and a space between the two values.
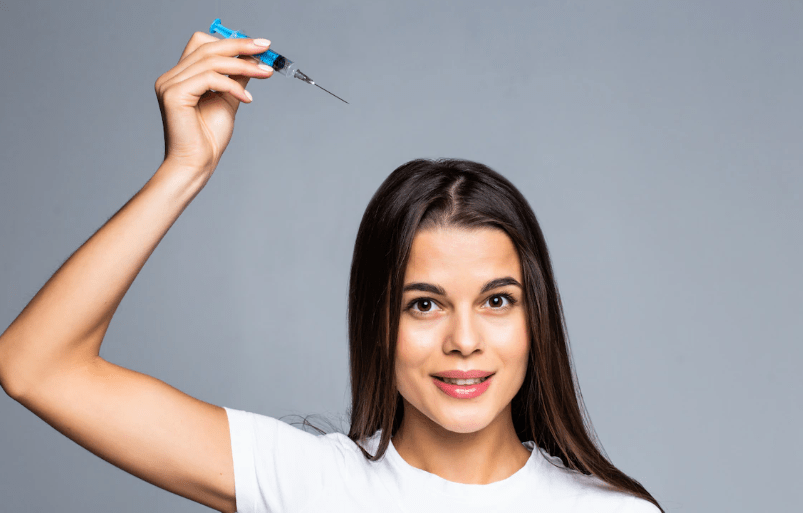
[462, 334]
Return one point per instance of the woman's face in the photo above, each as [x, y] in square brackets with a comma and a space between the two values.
[462, 309]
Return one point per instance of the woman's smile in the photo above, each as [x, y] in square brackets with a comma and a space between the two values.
[463, 388]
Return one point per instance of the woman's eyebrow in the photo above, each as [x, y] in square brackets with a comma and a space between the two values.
[435, 289]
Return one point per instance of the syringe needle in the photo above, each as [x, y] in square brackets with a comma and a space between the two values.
[302, 76]
[336, 96]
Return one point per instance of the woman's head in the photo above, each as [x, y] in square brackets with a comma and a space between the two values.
[425, 206]
[433, 222]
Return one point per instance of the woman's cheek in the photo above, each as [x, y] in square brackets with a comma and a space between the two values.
[412, 353]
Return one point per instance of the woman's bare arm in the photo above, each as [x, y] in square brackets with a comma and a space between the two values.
[49, 355]
[64, 324]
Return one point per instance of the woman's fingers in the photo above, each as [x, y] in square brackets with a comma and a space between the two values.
[203, 45]
[243, 79]
[241, 70]
[187, 92]
[196, 40]
[205, 52]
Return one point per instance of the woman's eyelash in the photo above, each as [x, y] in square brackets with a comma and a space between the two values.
[510, 300]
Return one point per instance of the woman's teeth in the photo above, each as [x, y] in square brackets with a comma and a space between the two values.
[463, 381]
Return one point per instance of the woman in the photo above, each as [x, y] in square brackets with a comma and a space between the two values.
[463, 395]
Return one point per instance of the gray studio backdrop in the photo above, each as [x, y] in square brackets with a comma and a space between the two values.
[659, 144]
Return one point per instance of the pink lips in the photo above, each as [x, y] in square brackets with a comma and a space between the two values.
[463, 391]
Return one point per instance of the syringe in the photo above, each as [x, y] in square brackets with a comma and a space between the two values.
[278, 62]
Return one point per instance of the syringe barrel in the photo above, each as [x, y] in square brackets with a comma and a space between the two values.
[279, 63]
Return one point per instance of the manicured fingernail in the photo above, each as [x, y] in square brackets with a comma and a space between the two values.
[261, 42]
[250, 98]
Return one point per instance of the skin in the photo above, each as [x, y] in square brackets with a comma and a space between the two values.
[469, 441]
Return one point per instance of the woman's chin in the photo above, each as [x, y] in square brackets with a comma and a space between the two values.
[464, 426]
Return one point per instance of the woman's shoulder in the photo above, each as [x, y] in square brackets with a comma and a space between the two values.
[588, 491]
[349, 447]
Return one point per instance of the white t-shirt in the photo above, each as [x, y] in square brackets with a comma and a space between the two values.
[279, 468]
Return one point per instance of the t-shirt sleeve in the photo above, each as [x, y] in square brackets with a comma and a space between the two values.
[277, 467]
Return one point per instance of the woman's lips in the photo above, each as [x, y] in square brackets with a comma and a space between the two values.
[463, 391]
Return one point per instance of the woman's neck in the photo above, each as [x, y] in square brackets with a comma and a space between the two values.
[492, 454]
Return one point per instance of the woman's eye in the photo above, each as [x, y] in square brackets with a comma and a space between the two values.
[497, 302]
[424, 305]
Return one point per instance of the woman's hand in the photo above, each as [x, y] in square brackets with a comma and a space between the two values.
[198, 122]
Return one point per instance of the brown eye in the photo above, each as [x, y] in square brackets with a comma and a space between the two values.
[497, 302]
[422, 306]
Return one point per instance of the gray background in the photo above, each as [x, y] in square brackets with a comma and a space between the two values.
[657, 142]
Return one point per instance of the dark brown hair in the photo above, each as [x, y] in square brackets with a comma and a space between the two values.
[548, 408]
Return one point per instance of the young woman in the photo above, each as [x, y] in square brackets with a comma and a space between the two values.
[463, 393]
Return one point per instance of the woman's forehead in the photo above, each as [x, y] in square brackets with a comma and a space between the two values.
[459, 253]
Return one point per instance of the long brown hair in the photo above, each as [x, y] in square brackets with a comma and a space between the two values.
[549, 407]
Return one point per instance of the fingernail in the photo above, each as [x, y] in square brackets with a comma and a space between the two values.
[247, 94]
[261, 42]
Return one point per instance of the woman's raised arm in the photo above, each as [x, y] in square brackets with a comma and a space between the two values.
[49, 355]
